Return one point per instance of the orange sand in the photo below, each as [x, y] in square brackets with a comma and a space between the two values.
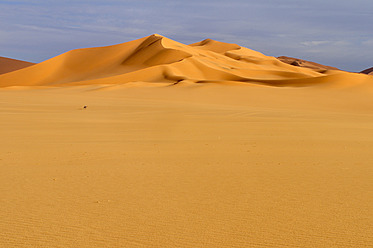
[222, 158]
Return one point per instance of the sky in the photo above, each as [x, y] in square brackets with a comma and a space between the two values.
[332, 32]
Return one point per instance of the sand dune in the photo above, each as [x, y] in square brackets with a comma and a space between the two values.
[188, 146]
[159, 59]
[9, 65]
[305, 64]
[368, 71]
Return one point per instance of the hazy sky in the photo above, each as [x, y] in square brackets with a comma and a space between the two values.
[333, 32]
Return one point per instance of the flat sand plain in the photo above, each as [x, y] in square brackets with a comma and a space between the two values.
[186, 165]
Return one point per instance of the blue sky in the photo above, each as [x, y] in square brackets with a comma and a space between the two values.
[331, 32]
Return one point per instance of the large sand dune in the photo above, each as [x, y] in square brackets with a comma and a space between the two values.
[159, 59]
[184, 146]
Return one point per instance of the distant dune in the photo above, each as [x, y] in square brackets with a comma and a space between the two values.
[9, 65]
[368, 71]
[305, 64]
[158, 59]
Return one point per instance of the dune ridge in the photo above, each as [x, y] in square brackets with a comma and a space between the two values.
[158, 59]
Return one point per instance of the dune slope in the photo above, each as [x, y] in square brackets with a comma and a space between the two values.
[9, 65]
[158, 59]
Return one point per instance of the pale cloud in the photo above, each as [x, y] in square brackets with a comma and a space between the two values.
[315, 42]
[367, 42]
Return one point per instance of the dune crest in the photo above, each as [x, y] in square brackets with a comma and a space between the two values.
[158, 59]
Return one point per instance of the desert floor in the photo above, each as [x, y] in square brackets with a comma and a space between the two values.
[199, 165]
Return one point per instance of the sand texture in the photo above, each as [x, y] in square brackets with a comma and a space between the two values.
[184, 146]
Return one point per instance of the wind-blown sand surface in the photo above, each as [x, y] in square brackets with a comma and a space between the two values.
[157, 164]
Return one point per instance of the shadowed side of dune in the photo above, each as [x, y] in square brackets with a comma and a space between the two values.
[305, 64]
[9, 65]
[368, 71]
